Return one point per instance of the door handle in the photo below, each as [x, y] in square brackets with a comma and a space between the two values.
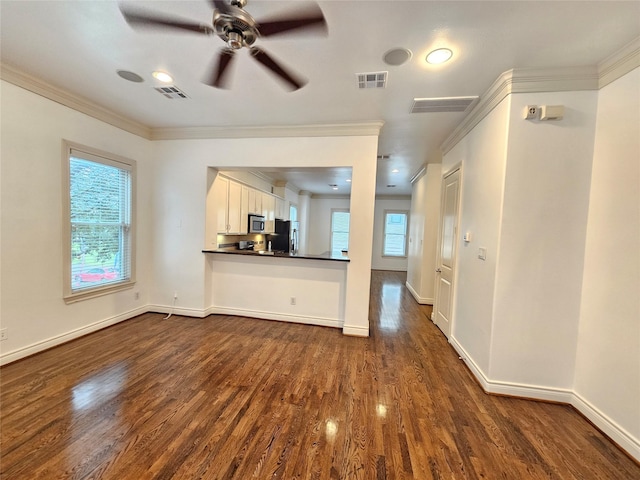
[438, 270]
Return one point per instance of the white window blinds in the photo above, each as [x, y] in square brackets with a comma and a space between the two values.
[100, 216]
[395, 234]
[339, 231]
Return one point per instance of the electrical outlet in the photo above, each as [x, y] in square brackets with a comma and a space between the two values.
[3, 334]
[293, 300]
[175, 295]
[136, 295]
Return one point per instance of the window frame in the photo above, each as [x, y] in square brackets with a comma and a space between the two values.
[77, 150]
[384, 232]
[338, 210]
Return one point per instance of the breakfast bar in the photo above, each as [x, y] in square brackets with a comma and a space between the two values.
[299, 288]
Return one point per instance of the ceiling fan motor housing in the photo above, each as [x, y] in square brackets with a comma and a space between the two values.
[238, 29]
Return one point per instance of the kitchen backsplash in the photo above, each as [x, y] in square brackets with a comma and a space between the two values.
[232, 241]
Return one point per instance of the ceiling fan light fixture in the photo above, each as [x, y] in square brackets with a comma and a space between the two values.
[162, 76]
[440, 55]
[235, 41]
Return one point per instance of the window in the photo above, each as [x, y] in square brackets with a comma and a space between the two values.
[339, 231]
[395, 234]
[293, 213]
[99, 229]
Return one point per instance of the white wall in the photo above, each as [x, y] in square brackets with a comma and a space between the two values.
[180, 185]
[378, 262]
[540, 262]
[607, 378]
[263, 287]
[482, 154]
[32, 310]
[423, 234]
[304, 199]
[554, 312]
[319, 232]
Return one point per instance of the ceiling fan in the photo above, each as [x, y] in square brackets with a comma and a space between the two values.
[238, 30]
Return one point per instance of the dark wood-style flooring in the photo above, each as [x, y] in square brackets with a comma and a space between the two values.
[227, 397]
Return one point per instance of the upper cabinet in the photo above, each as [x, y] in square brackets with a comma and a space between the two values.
[230, 205]
[234, 201]
[269, 212]
[255, 201]
[282, 208]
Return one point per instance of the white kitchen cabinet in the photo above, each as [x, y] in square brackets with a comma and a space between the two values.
[255, 201]
[244, 209]
[269, 212]
[228, 198]
[280, 213]
[235, 201]
[221, 195]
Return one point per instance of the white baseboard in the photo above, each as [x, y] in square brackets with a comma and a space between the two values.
[182, 311]
[610, 428]
[512, 389]
[23, 352]
[281, 317]
[418, 298]
[536, 392]
[355, 331]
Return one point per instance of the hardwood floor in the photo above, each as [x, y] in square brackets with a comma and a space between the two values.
[227, 397]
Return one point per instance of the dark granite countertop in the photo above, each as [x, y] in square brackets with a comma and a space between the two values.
[263, 253]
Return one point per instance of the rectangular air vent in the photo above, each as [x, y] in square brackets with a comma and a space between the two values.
[171, 91]
[372, 80]
[444, 104]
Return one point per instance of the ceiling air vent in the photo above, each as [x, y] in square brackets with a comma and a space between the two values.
[372, 80]
[171, 91]
[444, 104]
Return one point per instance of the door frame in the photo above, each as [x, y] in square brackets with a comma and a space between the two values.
[454, 271]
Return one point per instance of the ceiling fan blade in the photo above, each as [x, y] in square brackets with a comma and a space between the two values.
[261, 56]
[222, 6]
[310, 17]
[219, 75]
[140, 19]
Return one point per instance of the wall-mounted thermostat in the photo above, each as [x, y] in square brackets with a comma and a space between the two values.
[551, 112]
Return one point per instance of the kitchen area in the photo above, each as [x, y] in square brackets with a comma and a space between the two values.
[256, 253]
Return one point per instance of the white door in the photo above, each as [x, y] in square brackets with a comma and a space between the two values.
[447, 242]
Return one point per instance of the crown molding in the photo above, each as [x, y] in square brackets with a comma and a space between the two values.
[328, 196]
[393, 197]
[620, 63]
[21, 79]
[419, 173]
[63, 97]
[328, 130]
[523, 80]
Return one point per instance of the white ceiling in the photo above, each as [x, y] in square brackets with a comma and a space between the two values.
[79, 46]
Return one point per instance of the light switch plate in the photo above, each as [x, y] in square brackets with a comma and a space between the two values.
[482, 253]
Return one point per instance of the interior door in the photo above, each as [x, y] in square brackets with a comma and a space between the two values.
[447, 242]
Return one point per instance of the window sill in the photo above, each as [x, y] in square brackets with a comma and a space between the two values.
[97, 292]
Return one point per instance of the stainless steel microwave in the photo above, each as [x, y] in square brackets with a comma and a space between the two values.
[256, 224]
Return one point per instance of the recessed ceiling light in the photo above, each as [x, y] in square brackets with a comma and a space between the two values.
[132, 77]
[348, 180]
[395, 170]
[162, 76]
[440, 55]
[335, 188]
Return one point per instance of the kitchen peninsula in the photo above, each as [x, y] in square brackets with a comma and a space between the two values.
[247, 278]
[265, 253]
